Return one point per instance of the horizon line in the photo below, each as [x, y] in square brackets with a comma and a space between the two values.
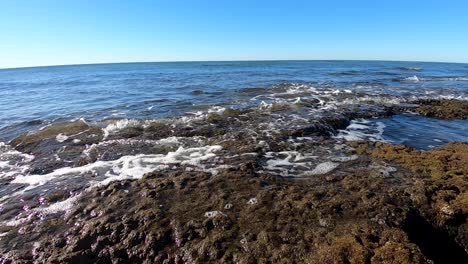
[190, 61]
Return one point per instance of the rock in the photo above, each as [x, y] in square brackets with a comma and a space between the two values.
[303, 221]
[57, 145]
[442, 189]
[443, 109]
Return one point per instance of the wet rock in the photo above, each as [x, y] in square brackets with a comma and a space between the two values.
[229, 112]
[368, 111]
[269, 218]
[57, 145]
[396, 252]
[443, 109]
[325, 126]
[158, 130]
[312, 130]
[131, 132]
[442, 188]
[364, 210]
[308, 102]
[28, 141]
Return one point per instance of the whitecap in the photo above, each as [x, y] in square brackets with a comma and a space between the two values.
[412, 79]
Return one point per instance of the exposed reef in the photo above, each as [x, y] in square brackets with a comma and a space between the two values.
[440, 191]
[268, 184]
[364, 213]
[443, 109]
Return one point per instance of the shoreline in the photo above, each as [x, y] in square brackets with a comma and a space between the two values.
[225, 187]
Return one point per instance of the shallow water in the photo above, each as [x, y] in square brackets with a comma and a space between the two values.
[409, 129]
[424, 133]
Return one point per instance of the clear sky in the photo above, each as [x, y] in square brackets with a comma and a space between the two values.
[53, 32]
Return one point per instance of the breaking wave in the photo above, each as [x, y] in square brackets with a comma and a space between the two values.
[433, 79]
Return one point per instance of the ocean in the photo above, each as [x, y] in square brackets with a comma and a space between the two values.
[33, 97]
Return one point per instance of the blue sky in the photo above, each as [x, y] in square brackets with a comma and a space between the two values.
[53, 32]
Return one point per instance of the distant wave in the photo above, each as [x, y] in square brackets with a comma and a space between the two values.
[432, 79]
[217, 65]
[410, 79]
[417, 69]
[346, 73]
[386, 73]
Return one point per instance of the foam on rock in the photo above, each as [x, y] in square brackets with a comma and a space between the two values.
[324, 168]
[61, 138]
[128, 167]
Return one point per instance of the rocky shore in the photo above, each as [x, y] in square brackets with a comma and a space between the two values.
[444, 109]
[380, 203]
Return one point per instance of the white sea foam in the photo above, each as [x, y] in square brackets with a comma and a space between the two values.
[17, 221]
[169, 141]
[357, 126]
[119, 125]
[199, 115]
[444, 79]
[264, 105]
[61, 138]
[127, 167]
[435, 79]
[41, 212]
[212, 214]
[389, 100]
[216, 109]
[328, 98]
[384, 169]
[288, 163]
[324, 168]
[61, 206]
[412, 79]
[302, 164]
[362, 130]
[252, 201]
[101, 173]
[345, 159]
[13, 162]
[412, 68]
